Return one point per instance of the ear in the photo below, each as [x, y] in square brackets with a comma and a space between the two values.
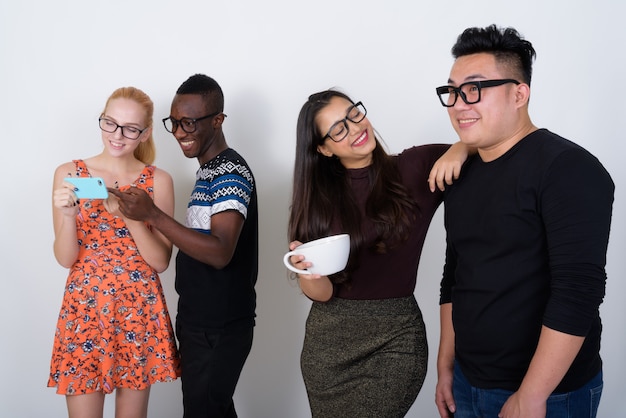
[146, 134]
[522, 94]
[323, 149]
[218, 120]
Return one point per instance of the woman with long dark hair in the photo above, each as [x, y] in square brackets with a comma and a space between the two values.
[365, 349]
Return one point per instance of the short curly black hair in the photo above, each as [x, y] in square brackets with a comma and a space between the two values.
[206, 86]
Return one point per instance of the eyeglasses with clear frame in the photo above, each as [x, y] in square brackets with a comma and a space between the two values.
[188, 125]
[469, 92]
[340, 129]
[130, 132]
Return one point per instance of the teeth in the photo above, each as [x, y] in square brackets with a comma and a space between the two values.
[186, 143]
[467, 120]
[359, 139]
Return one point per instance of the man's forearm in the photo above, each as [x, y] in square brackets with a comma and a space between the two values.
[553, 357]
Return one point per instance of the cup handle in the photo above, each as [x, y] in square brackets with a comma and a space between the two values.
[290, 266]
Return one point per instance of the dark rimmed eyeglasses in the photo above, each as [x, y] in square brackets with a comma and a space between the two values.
[130, 132]
[469, 92]
[189, 125]
[340, 129]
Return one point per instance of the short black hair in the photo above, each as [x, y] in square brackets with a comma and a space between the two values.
[206, 86]
[506, 44]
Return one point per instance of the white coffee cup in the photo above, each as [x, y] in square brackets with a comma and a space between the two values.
[328, 255]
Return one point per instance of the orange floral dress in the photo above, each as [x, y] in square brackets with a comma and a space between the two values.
[114, 329]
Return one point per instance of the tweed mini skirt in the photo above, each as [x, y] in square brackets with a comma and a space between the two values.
[364, 358]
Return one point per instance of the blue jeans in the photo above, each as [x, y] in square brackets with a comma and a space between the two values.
[472, 402]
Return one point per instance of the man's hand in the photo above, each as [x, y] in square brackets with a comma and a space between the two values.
[134, 203]
[516, 407]
[443, 395]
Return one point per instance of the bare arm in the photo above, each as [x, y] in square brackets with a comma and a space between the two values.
[448, 167]
[319, 289]
[315, 287]
[445, 363]
[64, 211]
[553, 357]
[153, 246]
[216, 249]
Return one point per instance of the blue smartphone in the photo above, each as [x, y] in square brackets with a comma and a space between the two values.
[89, 187]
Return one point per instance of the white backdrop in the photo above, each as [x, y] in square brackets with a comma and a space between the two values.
[60, 60]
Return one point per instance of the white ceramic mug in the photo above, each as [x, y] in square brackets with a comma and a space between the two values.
[328, 255]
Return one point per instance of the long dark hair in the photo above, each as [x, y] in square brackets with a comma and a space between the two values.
[323, 200]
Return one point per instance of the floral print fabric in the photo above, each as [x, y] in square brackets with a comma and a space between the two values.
[114, 329]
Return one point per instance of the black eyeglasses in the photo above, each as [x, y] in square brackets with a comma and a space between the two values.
[469, 92]
[340, 129]
[130, 132]
[189, 125]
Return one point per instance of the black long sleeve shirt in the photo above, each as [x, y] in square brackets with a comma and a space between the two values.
[527, 236]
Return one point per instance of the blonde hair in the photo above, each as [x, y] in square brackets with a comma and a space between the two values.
[146, 151]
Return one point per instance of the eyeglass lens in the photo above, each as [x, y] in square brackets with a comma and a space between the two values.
[129, 132]
[340, 129]
[188, 125]
[470, 92]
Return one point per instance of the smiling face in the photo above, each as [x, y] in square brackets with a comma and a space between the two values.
[207, 140]
[355, 150]
[127, 113]
[500, 119]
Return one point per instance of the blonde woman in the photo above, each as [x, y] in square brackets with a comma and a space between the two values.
[114, 331]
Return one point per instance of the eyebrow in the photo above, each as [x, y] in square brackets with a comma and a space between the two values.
[130, 125]
[472, 77]
[346, 111]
